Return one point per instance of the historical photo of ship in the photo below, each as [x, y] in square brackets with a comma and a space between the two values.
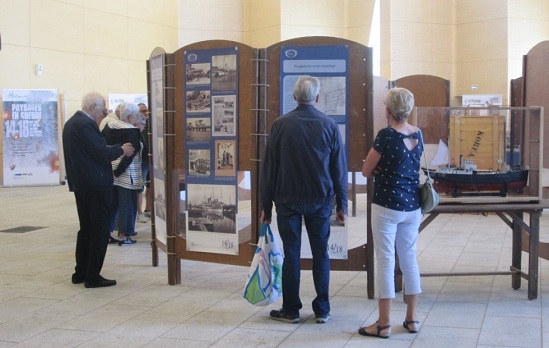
[199, 162]
[197, 74]
[199, 129]
[223, 73]
[211, 208]
[198, 101]
[224, 108]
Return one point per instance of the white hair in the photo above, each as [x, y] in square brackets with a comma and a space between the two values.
[306, 89]
[91, 100]
[129, 109]
[401, 102]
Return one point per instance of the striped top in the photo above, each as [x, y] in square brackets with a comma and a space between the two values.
[132, 178]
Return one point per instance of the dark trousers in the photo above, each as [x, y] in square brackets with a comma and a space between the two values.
[94, 213]
[317, 223]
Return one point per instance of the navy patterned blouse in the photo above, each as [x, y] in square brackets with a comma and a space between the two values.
[397, 185]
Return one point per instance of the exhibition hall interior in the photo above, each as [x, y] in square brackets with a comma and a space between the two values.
[215, 76]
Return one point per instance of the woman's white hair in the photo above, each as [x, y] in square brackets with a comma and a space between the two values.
[401, 102]
[128, 109]
[306, 89]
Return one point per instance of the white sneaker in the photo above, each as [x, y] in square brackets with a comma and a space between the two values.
[141, 218]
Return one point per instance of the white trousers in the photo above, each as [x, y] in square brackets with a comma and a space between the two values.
[392, 228]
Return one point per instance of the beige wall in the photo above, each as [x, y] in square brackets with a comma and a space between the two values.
[103, 44]
[529, 23]
[358, 16]
[83, 45]
[269, 22]
[262, 22]
[491, 38]
[416, 38]
[210, 20]
[469, 42]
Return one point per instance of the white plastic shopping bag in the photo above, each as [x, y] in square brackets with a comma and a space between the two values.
[264, 285]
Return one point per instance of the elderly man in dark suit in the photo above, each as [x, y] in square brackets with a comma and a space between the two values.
[89, 175]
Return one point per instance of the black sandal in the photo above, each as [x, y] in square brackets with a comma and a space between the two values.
[362, 331]
[408, 322]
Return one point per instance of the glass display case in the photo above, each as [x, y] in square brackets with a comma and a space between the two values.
[483, 154]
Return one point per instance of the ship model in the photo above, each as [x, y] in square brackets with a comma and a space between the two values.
[467, 180]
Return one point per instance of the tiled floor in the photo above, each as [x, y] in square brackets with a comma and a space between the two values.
[39, 307]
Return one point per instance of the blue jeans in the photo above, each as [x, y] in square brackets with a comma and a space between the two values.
[124, 210]
[317, 223]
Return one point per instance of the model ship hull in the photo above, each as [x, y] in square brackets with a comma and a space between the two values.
[479, 183]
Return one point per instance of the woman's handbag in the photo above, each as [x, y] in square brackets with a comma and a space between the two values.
[264, 284]
[429, 196]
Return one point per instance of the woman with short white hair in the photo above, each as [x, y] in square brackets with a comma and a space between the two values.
[393, 161]
[128, 179]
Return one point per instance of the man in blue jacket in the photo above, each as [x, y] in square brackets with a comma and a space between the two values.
[89, 175]
[304, 167]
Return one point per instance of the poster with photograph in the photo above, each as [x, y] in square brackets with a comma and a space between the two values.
[224, 115]
[211, 113]
[30, 137]
[116, 99]
[160, 211]
[199, 162]
[224, 74]
[224, 157]
[158, 173]
[211, 219]
[198, 73]
[199, 129]
[198, 102]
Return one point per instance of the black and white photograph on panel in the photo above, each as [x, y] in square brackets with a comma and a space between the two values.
[160, 210]
[198, 102]
[225, 158]
[161, 154]
[211, 219]
[199, 162]
[211, 208]
[199, 129]
[223, 115]
[223, 73]
[198, 73]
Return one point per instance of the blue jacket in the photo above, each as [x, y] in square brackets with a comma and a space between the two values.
[87, 156]
[304, 161]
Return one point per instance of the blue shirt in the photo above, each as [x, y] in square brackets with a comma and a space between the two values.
[397, 185]
[304, 162]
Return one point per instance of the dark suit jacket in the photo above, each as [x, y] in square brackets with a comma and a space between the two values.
[87, 156]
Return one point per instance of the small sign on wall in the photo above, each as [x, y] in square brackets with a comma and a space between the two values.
[483, 100]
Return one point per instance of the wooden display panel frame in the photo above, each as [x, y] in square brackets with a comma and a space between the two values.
[247, 102]
[360, 120]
